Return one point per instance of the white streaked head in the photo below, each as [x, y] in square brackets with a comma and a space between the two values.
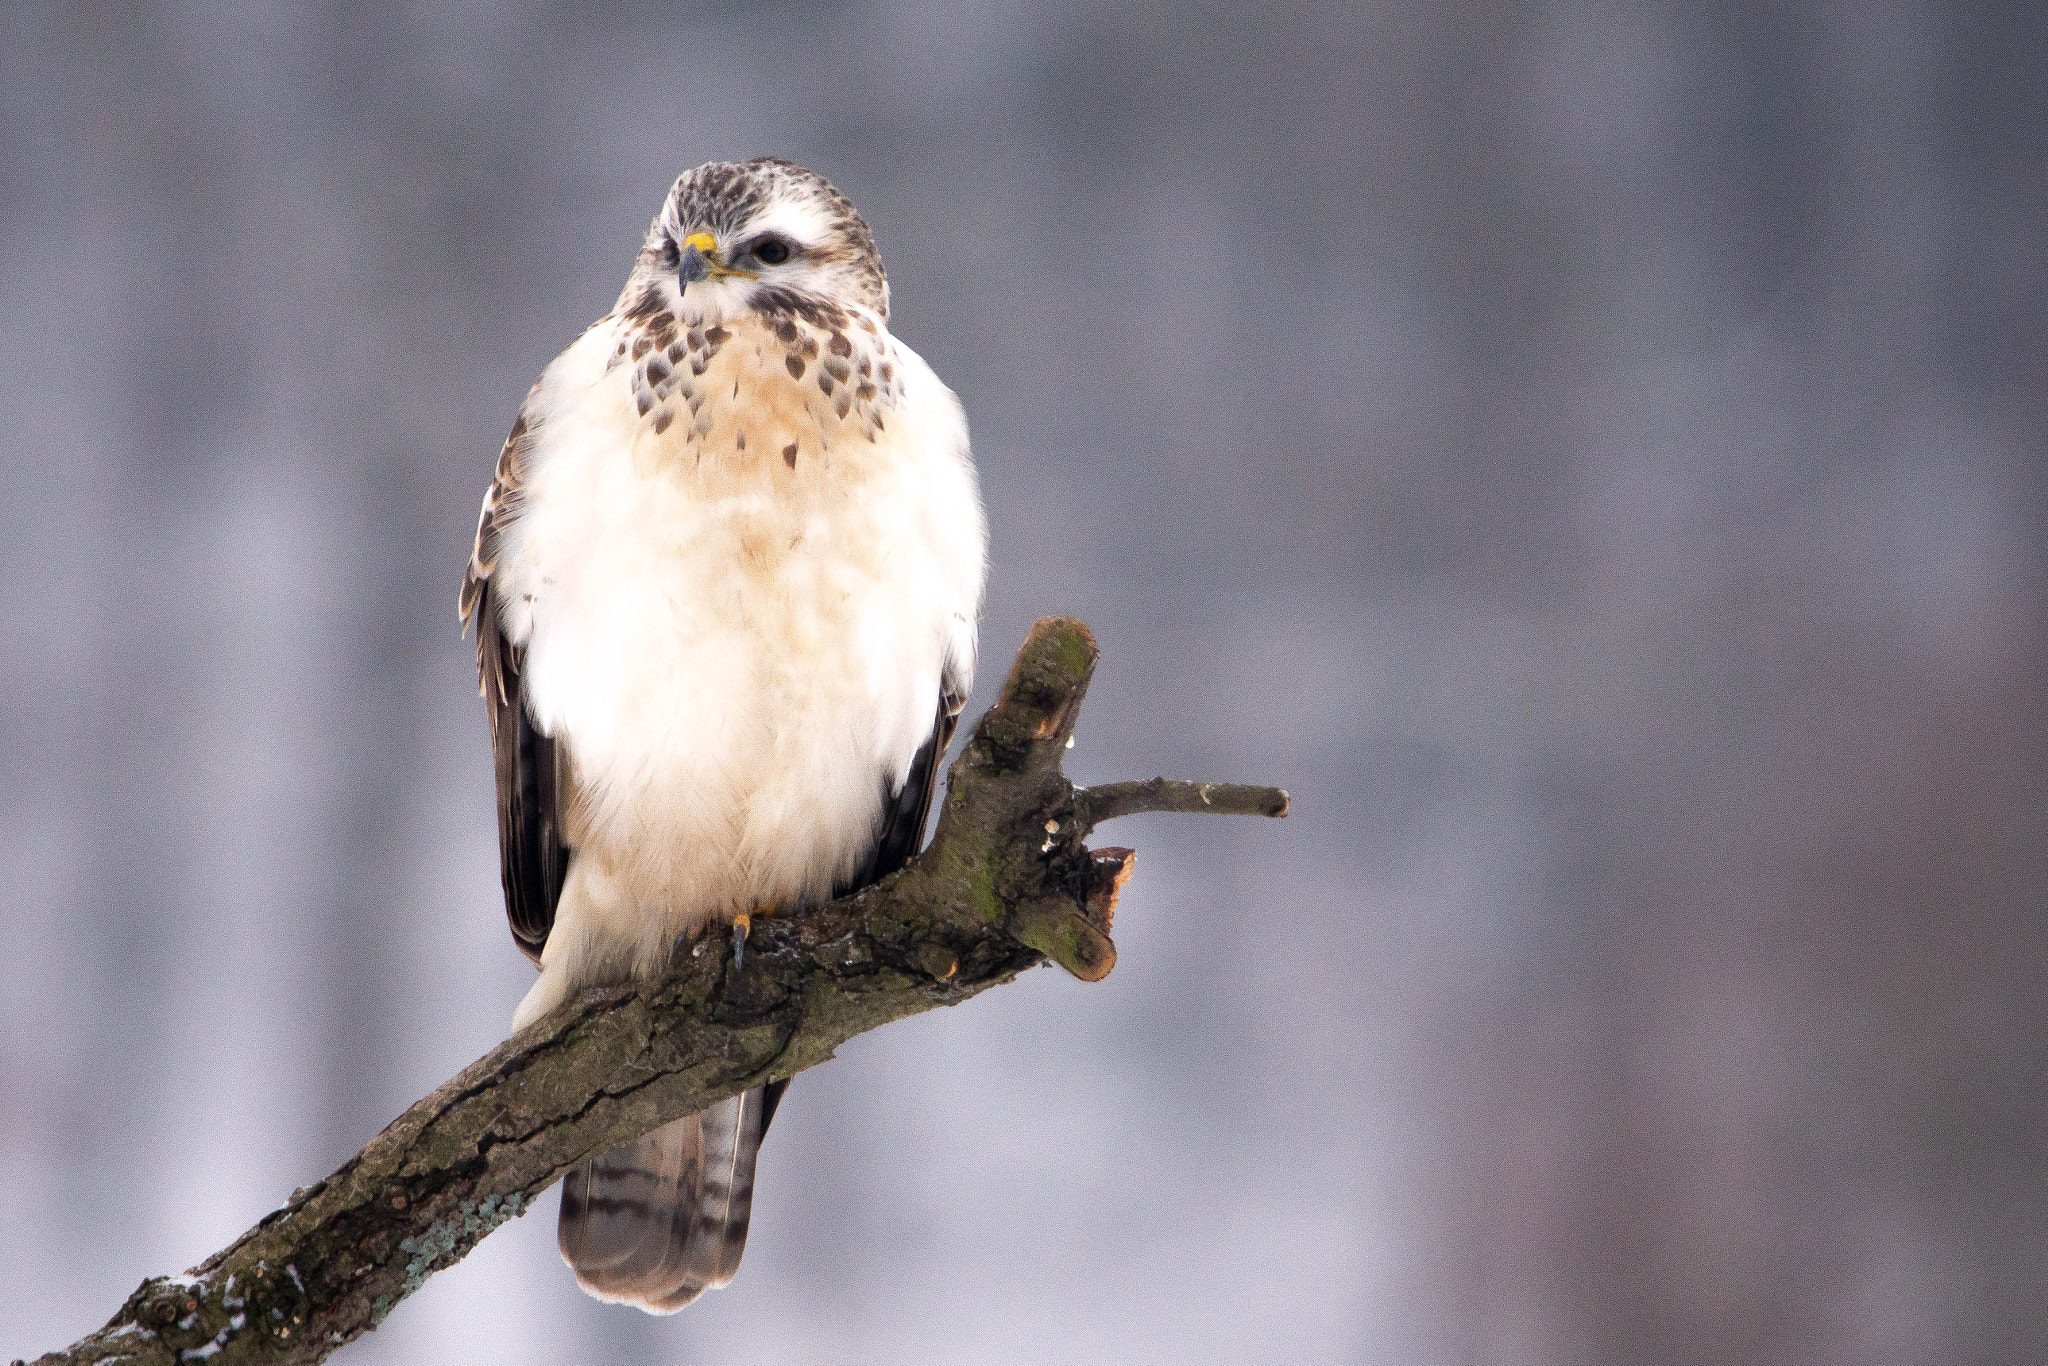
[761, 236]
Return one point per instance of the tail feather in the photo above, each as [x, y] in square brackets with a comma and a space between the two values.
[657, 1222]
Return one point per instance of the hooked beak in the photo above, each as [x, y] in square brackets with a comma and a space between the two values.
[696, 264]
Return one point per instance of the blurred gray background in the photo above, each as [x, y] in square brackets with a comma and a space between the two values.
[1594, 455]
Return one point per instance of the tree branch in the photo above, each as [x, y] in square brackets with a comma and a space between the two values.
[1111, 800]
[1005, 881]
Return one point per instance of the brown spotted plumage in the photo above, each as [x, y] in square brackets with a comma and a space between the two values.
[642, 793]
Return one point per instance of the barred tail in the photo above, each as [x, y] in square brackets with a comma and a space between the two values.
[657, 1222]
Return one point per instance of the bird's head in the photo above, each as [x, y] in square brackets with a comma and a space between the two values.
[763, 236]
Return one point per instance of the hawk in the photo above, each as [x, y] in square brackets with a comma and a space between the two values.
[724, 587]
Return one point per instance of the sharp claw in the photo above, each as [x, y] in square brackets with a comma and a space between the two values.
[740, 925]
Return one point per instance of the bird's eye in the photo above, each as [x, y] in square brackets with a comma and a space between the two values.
[771, 251]
[671, 254]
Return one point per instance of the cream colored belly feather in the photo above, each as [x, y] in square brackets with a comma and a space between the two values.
[734, 626]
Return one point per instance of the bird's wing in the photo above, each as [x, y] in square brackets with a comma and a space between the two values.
[532, 855]
[905, 809]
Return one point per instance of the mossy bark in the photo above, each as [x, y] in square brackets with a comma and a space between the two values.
[1005, 884]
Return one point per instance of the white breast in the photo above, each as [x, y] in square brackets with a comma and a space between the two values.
[738, 652]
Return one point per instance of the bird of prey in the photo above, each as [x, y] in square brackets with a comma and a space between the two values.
[724, 586]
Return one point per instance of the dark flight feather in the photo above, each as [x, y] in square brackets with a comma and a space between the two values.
[905, 809]
[532, 857]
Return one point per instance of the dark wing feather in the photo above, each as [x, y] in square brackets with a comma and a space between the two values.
[532, 856]
[905, 809]
[531, 852]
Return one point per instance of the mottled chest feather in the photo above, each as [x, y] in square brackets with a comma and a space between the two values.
[766, 385]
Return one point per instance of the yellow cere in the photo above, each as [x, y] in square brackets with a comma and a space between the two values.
[702, 241]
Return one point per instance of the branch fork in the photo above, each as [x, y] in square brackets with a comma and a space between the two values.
[1007, 882]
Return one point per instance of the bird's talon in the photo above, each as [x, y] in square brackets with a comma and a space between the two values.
[740, 925]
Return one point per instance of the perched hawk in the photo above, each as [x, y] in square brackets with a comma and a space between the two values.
[724, 587]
